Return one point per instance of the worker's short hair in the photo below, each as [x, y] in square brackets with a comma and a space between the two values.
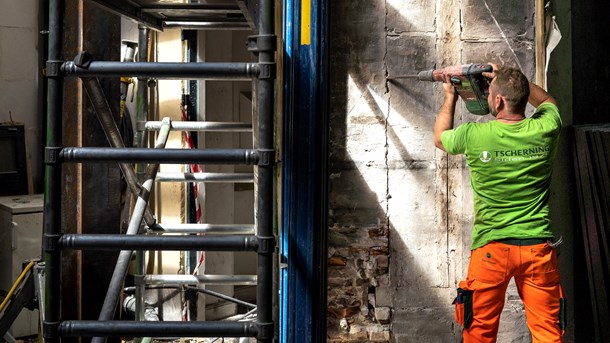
[514, 87]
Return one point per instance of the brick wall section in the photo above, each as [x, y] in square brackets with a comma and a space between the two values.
[400, 210]
[354, 273]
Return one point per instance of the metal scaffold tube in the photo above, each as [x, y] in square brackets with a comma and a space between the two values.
[142, 90]
[206, 177]
[52, 188]
[223, 297]
[168, 156]
[265, 89]
[120, 271]
[104, 115]
[164, 70]
[209, 126]
[147, 242]
[140, 137]
[226, 229]
[198, 290]
[200, 7]
[109, 328]
[209, 25]
[182, 279]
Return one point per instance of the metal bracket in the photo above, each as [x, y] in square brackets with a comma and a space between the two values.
[83, 59]
[266, 70]
[266, 245]
[262, 43]
[50, 243]
[138, 280]
[266, 157]
[50, 331]
[265, 331]
[52, 68]
[141, 125]
[51, 155]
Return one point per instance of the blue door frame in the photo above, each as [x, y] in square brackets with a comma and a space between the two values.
[303, 228]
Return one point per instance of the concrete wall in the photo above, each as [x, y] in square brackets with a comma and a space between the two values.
[20, 75]
[400, 209]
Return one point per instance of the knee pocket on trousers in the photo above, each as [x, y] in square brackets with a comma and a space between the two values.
[463, 307]
[544, 266]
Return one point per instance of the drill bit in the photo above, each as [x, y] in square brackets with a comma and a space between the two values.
[403, 76]
[413, 76]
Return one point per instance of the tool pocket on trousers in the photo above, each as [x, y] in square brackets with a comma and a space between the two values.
[463, 307]
[562, 315]
[544, 266]
[488, 264]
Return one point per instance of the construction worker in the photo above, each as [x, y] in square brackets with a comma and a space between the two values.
[510, 161]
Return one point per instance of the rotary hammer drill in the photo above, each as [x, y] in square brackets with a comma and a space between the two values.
[468, 80]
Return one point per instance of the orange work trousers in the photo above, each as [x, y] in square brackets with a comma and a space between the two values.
[480, 299]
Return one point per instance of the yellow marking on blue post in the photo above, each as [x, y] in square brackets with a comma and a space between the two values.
[305, 22]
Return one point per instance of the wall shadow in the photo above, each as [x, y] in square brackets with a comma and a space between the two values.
[388, 275]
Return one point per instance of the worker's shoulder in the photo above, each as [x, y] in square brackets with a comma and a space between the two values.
[547, 110]
[477, 125]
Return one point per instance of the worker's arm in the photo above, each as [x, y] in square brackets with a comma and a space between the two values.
[539, 96]
[444, 119]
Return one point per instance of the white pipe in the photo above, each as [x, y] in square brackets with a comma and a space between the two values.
[180, 279]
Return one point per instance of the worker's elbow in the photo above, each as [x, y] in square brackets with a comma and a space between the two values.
[439, 144]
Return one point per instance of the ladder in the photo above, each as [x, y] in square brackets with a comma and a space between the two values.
[258, 238]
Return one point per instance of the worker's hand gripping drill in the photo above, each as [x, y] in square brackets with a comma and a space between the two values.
[468, 79]
[470, 83]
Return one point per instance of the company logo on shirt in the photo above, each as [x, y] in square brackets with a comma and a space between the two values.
[485, 156]
[514, 155]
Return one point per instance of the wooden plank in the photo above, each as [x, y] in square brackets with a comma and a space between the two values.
[540, 36]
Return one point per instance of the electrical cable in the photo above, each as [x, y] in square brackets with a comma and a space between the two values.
[16, 284]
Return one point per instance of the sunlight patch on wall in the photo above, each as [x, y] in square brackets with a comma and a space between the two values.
[366, 140]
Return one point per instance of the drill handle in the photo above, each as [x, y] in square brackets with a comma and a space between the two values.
[469, 82]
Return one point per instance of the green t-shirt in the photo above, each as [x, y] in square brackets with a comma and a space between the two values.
[510, 173]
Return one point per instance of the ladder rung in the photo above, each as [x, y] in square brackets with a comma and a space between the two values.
[228, 229]
[95, 328]
[166, 70]
[157, 242]
[181, 279]
[206, 177]
[212, 126]
[195, 7]
[207, 25]
[175, 156]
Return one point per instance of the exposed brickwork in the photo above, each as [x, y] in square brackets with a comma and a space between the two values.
[354, 274]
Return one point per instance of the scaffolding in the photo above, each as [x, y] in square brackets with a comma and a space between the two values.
[144, 233]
